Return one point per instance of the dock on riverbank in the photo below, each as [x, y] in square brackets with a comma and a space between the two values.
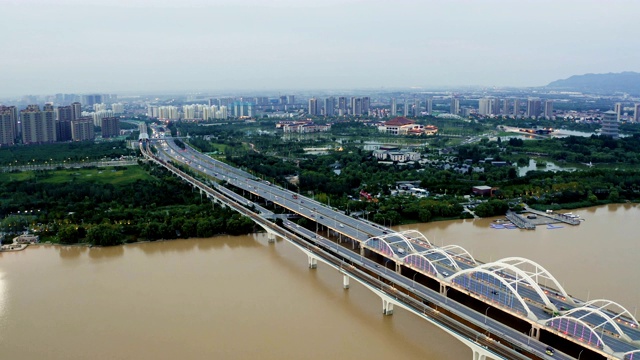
[554, 217]
[520, 221]
[536, 217]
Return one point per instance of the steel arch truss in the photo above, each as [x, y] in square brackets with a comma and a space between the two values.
[385, 243]
[443, 256]
[536, 271]
[466, 280]
[583, 312]
[622, 311]
[397, 238]
[577, 329]
[459, 252]
[415, 235]
[380, 246]
[630, 355]
[421, 263]
[514, 275]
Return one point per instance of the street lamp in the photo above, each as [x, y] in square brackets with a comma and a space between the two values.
[485, 314]
[414, 279]
[316, 217]
[580, 354]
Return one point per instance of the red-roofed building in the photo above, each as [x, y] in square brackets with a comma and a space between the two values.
[404, 126]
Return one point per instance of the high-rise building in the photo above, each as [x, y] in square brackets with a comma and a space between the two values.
[242, 109]
[99, 107]
[405, 110]
[153, 111]
[516, 108]
[330, 106]
[226, 101]
[484, 106]
[64, 116]
[213, 102]
[282, 100]
[429, 106]
[505, 107]
[188, 112]
[117, 108]
[636, 112]
[495, 106]
[222, 113]
[38, 126]
[394, 107]
[619, 109]
[110, 127]
[89, 100]
[291, 99]
[342, 105]
[206, 113]
[99, 115]
[533, 107]
[366, 105]
[313, 106]
[356, 106]
[166, 112]
[77, 110]
[8, 125]
[548, 109]
[610, 124]
[416, 107]
[455, 106]
[82, 129]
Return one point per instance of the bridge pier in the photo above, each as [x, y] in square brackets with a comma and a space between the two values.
[535, 332]
[345, 282]
[477, 355]
[387, 307]
[271, 238]
[313, 262]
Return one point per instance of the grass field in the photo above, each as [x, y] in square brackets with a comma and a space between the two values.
[107, 175]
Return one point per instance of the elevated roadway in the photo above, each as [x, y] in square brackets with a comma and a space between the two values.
[512, 286]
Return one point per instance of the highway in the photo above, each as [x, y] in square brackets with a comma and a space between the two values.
[500, 286]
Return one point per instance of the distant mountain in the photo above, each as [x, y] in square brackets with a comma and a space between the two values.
[628, 82]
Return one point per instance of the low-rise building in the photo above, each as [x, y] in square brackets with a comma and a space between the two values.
[302, 127]
[482, 190]
[396, 155]
[403, 126]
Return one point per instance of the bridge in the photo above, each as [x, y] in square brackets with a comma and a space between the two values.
[511, 308]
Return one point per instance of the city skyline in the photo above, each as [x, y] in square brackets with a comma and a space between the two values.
[140, 46]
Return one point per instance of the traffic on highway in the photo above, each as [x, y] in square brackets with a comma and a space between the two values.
[501, 284]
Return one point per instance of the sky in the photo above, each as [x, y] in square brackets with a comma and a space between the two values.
[146, 46]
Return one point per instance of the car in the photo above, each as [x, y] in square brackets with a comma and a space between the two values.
[341, 225]
[494, 292]
[549, 351]
[321, 217]
[444, 273]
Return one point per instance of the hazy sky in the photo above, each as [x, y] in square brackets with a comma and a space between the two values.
[80, 46]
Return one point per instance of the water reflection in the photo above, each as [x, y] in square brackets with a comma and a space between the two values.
[550, 166]
[230, 297]
[71, 252]
[106, 253]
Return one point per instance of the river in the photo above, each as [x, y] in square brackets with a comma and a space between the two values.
[241, 297]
